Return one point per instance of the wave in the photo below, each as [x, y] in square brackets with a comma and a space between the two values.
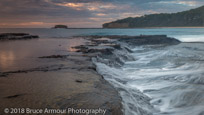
[155, 79]
[190, 38]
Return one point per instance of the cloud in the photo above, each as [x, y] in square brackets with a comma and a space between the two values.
[92, 6]
[101, 14]
[83, 13]
[187, 3]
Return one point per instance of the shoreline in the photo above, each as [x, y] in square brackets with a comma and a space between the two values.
[153, 27]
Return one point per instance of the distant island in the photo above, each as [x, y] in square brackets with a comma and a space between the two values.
[190, 18]
[61, 26]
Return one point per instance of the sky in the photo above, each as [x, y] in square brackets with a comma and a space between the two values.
[82, 13]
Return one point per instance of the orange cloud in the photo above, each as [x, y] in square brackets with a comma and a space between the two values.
[100, 6]
[101, 14]
[93, 6]
[23, 24]
[30, 23]
[76, 6]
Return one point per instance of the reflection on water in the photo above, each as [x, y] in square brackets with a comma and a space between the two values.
[23, 54]
[75, 42]
[6, 59]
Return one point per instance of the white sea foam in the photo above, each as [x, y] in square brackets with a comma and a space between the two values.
[190, 38]
[167, 80]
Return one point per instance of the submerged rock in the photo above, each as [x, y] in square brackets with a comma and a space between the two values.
[78, 81]
[17, 36]
[14, 96]
[54, 56]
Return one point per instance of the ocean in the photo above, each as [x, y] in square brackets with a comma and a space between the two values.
[183, 34]
[152, 79]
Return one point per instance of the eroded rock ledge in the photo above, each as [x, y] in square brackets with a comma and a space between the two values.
[104, 47]
[138, 40]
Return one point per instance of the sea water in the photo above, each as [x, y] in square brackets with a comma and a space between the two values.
[161, 80]
[183, 34]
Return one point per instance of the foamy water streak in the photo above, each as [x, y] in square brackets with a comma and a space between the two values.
[161, 81]
[190, 38]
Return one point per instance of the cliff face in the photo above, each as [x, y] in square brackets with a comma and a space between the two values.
[194, 18]
[118, 25]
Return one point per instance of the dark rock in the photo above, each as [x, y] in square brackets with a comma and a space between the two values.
[14, 96]
[54, 56]
[99, 41]
[150, 40]
[17, 36]
[61, 26]
[140, 40]
[117, 46]
[129, 50]
[79, 81]
[92, 68]
[3, 74]
[80, 47]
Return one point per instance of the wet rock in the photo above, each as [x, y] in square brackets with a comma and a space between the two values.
[54, 56]
[136, 40]
[117, 46]
[78, 81]
[149, 40]
[92, 68]
[3, 74]
[14, 96]
[43, 69]
[17, 36]
[96, 41]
